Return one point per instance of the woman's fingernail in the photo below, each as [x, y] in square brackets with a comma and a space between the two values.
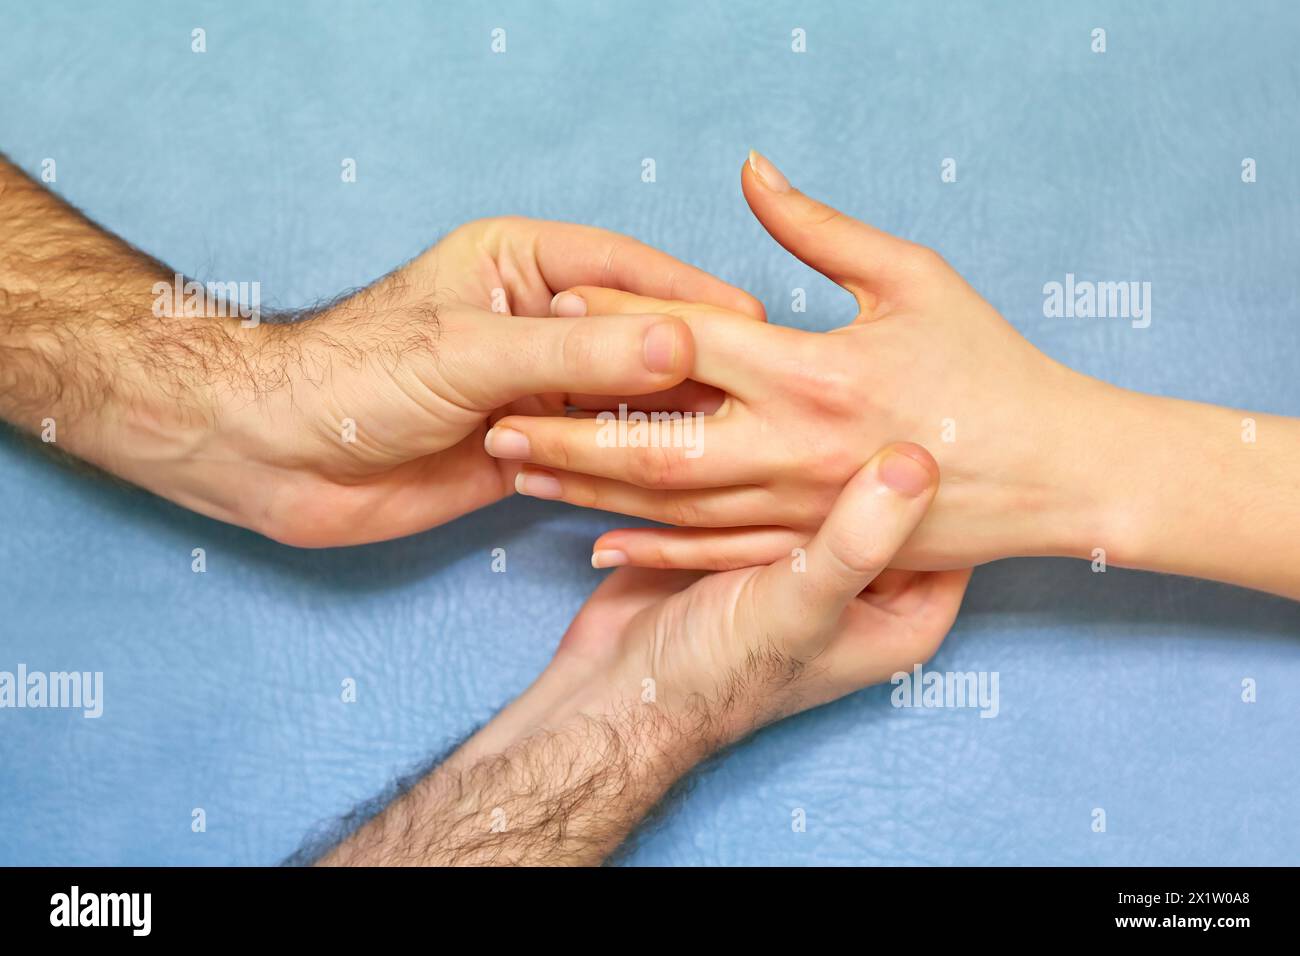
[507, 443]
[568, 305]
[768, 174]
[660, 347]
[608, 559]
[905, 475]
[538, 484]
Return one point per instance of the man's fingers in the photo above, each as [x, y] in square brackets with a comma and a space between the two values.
[571, 255]
[872, 518]
[704, 549]
[859, 257]
[509, 357]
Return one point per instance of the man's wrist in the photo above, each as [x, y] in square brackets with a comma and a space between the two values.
[163, 402]
[252, 425]
[197, 438]
[572, 692]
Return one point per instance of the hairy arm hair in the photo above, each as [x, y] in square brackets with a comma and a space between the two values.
[566, 796]
[106, 369]
[578, 793]
[77, 329]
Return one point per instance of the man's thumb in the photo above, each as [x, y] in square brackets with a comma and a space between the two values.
[872, 518]
[504, 358]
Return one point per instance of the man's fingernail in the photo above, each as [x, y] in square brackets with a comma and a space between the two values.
[608, 559]
[905, 475]
[538, 484]
[568, 305]
[768, 174]
[507, 443]
[661, 347]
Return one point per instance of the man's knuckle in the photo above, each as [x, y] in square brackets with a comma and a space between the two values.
[861, 554]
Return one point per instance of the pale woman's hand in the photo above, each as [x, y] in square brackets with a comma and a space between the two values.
[926, 360]
[1037, 459]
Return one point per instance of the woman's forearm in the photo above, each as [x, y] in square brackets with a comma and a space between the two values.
[1188, 488]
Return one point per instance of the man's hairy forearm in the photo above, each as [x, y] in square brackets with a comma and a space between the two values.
[88, 362]
[566, 796]
[565, 772]
[76, 329]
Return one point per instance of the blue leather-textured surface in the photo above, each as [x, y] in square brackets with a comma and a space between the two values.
[1119, 690]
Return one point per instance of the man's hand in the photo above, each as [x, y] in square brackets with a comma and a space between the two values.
[1037, 459]
[418, 362]
[661, 669]
[361, 422]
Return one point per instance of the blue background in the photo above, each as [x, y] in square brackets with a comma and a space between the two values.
[1119, 691]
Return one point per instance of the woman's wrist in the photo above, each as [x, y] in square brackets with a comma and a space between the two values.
[1090, 465]
[1178, 487]
[1030, 486]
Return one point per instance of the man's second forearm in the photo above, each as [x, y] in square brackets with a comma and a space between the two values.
[560, 777]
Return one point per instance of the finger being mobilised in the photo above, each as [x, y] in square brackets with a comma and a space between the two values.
[701, 507]
[733, 352]
[569, 254]
[658, 450]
